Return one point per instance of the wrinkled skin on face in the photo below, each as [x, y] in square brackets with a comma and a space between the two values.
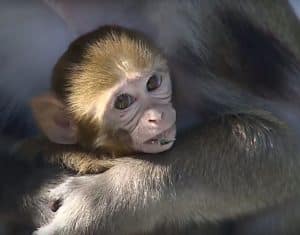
[150, 117]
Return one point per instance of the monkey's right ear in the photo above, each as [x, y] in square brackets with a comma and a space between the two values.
[53, 120]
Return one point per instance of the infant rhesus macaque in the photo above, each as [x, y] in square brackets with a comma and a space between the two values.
[111, 96]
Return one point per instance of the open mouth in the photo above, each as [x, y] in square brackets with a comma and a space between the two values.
[164, 138]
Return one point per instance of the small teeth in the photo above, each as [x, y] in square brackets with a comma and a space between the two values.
[162, 141]
[165, 141]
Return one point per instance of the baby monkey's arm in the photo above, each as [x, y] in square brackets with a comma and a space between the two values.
[39, 150]
[83, 163]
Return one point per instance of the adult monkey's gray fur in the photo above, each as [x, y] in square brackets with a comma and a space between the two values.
[231, 61]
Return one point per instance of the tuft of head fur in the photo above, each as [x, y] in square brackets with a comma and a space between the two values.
[97, 61]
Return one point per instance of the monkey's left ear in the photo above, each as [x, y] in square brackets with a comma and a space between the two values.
[53, 119]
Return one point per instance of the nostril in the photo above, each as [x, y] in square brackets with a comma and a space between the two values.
[156, 117]
[152, 121]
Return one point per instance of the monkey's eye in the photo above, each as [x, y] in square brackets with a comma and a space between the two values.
[123, 101]
[153, 83]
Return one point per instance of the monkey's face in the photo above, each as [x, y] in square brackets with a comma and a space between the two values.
[135, 114]
[115, 96]
[141, 106]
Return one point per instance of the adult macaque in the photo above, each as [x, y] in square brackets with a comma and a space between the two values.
[230, 61]
[111, 96]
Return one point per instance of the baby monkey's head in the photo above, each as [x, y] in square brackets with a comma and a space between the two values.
[111, 90]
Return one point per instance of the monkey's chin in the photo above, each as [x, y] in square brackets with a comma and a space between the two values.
[161, 142]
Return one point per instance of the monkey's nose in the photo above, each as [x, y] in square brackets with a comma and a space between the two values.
[156, 117]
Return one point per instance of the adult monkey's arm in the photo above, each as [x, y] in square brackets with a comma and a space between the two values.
[256, 167]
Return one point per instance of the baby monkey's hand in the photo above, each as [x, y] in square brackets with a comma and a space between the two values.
[81, 162]
[93, 166]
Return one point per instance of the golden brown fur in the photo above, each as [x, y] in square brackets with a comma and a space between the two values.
[71, 157]
[94, 63]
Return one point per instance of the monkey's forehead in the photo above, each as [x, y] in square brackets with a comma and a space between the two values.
[112, 59]
[112, 52]
[122, 51]
[108, 69]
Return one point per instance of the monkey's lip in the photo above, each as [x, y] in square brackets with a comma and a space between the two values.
[163, 138]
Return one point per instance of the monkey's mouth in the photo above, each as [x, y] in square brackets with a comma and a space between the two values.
[164, 138]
